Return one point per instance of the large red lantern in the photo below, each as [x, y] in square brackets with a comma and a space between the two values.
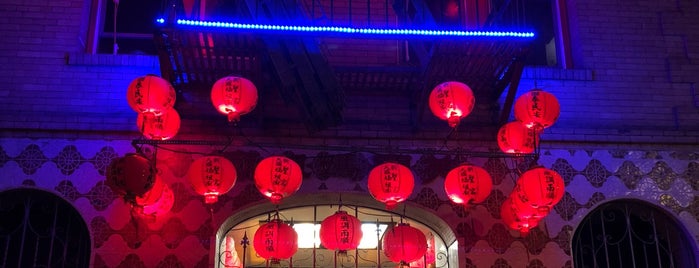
[404, 243]
[150, 94]
[391, 183]
[131, 175]
[234, 96]
[515, 138]
[159, 127]
[451, 101]
[277, 177]
[514, 221]
[341, 232]
[539, 187]
[537, 109]
[468, 184]
[212, 176]
[276, 240]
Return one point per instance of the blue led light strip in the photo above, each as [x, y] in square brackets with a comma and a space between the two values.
[350, 30]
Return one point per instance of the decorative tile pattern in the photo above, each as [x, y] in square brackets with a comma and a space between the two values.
[31, 159]
[326, 166]
[629, 174]
[564, 169]
[428, 198]
[596, 173]
[4, 158]
[68, 160]
[103, 158]
[170, 261]
[563, 238]
[662, 175]
[497, 170]
[131, 261]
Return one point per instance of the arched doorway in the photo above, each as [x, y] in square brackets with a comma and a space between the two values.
[40, 229]
[631, 233]
[309, 210]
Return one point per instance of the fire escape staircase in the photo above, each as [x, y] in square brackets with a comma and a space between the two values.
[193, 59]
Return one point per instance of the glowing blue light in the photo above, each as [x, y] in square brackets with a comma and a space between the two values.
[349, 30]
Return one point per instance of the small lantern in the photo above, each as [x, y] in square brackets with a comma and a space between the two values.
[277, 177]
[150, 94]
[539, 187]
[163, 205]
[512, 220]
[537, 109]
[404, 243]
[234, 96]
[159, 127]
[212, 176]
[451, 101]
[341, 232]
[131, 175]
[391, 183]
[468, 184]
[275, 240]
[515, 138]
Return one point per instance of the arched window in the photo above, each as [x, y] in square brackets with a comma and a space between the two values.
[631, 233]
[235, 237]
[40, 229]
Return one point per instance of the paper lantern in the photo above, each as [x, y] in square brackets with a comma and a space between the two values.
[162, 206]
[515, 138]
[159, 127]
[341, 232]
[537, 109]
[212, 176]
[131, 175]
[234, 96]
[404, 243]
[277, 177]
[451, 101]
[515, 222]
[153, 194]
[539, 187]
[391, 183]
[275, 240]
[468, 184]
[150, 94]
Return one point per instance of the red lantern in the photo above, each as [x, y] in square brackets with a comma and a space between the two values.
[340, 231]
[515, 138]
[451, 101]
[468, 184]
[539, 187]
[159, 127]
[212, 176]
[277, 177]
[162, 205]
[404, 243]
[391, 183]
[234, 96]
[275, 240]
[515, 222]
[150, 94]
[132, 175]
[537, 109]
[153, 194]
